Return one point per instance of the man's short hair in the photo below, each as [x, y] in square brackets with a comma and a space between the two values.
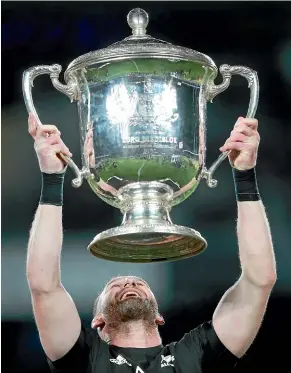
[97, 306]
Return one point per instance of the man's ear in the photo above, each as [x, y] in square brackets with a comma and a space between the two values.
[97, 322]
[160, 320]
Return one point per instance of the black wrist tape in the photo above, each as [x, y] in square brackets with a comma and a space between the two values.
[245, 183]
[52, 189]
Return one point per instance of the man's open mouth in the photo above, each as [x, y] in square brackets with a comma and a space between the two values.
[130, 294]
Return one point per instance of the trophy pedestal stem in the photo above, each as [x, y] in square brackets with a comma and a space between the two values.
[146, 203]
[147, 233]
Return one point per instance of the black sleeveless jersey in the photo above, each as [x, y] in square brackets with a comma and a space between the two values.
[199, 351]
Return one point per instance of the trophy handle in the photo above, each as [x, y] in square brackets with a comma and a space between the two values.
[70, 90]
[213, 90]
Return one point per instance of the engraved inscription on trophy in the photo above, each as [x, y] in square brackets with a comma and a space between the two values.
[141, 109]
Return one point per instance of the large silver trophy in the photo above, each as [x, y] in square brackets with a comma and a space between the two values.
[142, 111]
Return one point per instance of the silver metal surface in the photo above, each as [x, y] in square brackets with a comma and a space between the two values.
[142, 107]
[148, 243]
[138, 21]
[253, 84]
[70, 90]
[139, 45]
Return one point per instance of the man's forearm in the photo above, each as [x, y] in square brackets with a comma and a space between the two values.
[44, 249]
[255, 243]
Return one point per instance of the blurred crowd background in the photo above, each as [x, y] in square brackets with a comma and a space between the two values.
[255, 34]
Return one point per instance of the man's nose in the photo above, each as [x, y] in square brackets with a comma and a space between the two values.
[130, 282]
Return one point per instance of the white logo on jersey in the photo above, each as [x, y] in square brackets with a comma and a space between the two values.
[167, 361]
[120, 360]
[139, 370]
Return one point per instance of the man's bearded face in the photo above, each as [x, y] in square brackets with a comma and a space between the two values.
[128, 299]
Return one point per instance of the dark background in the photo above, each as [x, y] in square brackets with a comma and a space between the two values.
[255, 34]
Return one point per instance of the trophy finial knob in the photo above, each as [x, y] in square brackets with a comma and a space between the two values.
[138, 20]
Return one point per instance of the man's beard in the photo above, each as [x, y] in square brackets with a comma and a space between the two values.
[130, 309]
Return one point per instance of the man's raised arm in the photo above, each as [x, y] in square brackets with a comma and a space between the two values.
[240, 312]
[55, 313]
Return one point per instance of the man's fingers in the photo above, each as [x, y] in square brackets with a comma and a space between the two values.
[237, 136]
[53, 139]
[89, 137]
[88, 147]
[32, 125]
[233, 145]
[60, 148]
[51, 144]
[45, 142]
[243, 136]
[64, 149]
[46, 130]
[244, 129]
[250, 122]
[38, 131]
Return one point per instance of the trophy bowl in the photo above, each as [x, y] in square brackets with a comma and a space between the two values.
[142, 106]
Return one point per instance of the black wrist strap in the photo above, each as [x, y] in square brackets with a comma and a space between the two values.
[245, 183]
[52, 189]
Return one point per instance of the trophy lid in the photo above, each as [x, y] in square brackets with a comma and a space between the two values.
[140, 45]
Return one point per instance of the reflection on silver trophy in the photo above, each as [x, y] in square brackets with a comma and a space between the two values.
[142, 112]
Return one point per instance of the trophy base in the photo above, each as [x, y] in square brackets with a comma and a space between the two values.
[147, 233]
[147, 243]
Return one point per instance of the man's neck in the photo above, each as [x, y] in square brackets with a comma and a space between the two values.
[136, 335]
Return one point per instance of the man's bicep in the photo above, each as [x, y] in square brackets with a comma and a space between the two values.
[239, 314]
[57, 320]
